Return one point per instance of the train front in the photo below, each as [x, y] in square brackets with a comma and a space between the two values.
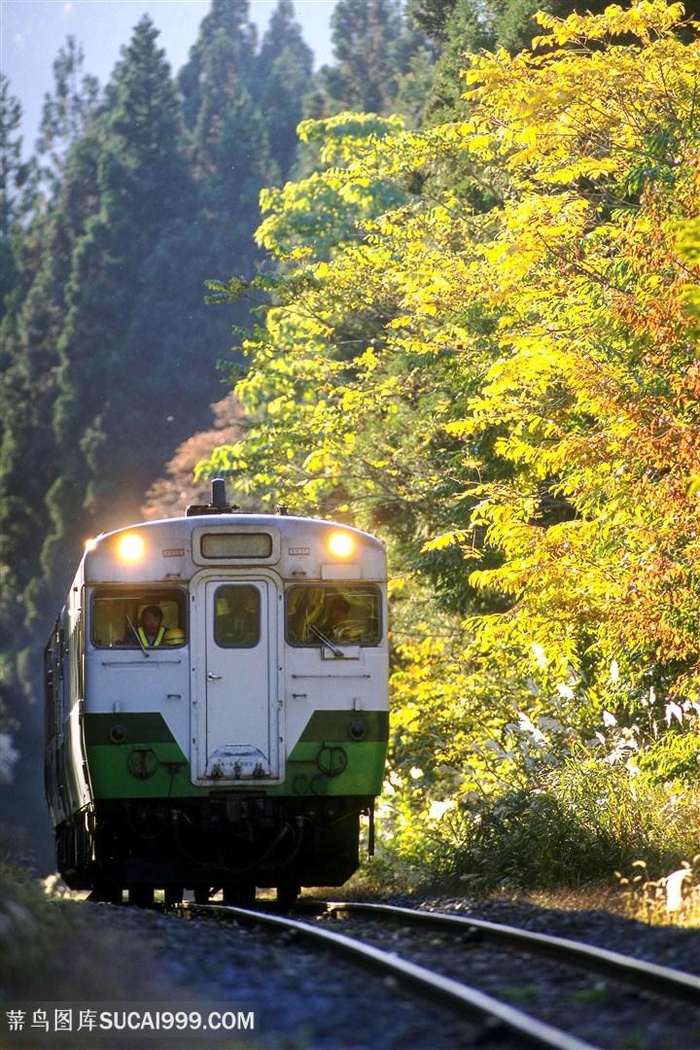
[234, 720]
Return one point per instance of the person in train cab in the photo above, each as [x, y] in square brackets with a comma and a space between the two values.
[335, 618]
[150, 631]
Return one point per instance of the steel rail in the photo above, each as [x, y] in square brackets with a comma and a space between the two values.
[662, 980]
[522, 1025]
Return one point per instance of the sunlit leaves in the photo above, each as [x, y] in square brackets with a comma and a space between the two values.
[485, 346]
[597, 355]
[645, 20]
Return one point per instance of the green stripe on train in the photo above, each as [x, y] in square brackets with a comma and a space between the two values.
[142, 728]
[340, 725]
[136, 756]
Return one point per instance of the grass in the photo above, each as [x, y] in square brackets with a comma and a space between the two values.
[622, 842]
[48, 943]
[671, 899]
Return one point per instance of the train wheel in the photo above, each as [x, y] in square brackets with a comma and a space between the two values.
[141, 896]
[106, 892]
[172, 896]
[242, 896]
[287, 894]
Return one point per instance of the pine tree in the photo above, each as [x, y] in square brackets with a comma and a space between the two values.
[30, 334]
[464, 29]
[108, 435]
[43, 236]
[284, 70]
[13, 172]
[229, 153]
[229, 156]
[67, 113]
[227, 22]
[372, 45]
[432, 16]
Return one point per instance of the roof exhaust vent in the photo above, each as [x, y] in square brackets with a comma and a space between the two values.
[218, 493]
[218, 503]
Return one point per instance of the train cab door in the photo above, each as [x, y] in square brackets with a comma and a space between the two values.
[238, 731]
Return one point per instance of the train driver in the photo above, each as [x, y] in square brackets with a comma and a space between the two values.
[335, 617]
[151, 631]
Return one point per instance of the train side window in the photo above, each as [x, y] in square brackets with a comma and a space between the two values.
[237, 616]
[345, 614]
[116, 615]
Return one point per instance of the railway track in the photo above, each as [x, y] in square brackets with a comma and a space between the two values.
[520, 1028]
[646, 976]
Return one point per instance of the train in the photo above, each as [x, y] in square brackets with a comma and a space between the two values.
[217, 715]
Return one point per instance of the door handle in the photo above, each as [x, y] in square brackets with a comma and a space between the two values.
[211, 677]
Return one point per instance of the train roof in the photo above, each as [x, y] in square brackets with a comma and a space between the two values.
[217, 536]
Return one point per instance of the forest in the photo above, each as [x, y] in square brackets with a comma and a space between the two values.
[446, 289]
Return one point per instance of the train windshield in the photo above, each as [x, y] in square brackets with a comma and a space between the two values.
[138, 619]
[347, 614]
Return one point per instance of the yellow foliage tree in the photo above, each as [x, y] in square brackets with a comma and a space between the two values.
[596, 385]
[496, 354]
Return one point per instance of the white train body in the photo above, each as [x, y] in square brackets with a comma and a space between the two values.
[226, 750]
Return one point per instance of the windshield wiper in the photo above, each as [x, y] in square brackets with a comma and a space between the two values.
[137, 636]
[336, 650]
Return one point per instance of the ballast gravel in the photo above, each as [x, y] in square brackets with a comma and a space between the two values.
[304, 998]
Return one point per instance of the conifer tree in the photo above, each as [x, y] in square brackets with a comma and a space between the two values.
[30, 333]
[228, 23]
[372, 46]
[67, 113]
[284, 71]
[42, 234]
[228, 146]
[109, 436]
[12, 174]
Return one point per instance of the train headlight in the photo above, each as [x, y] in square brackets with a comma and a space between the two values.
[131, 547]
[341, 544]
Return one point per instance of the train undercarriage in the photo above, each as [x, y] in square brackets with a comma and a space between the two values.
[226, 842]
